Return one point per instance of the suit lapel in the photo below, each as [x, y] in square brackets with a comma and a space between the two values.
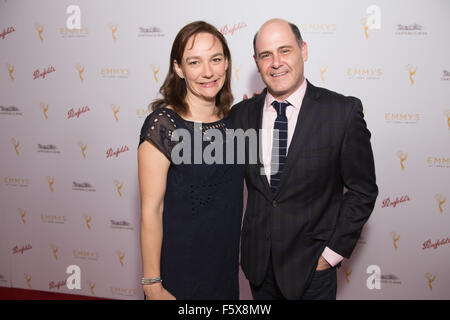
[305, 122]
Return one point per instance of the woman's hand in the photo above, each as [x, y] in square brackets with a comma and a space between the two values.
[157, 292]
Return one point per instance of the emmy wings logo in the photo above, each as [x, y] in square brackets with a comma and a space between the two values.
[447, 116]
[113, 29]
[28, 279]
[50, 182]
[372, 21]
[16, 145]
[348, 273]
[10, 69]
[91, 286]
[430, 279]
[87, 220]
[119, 186]
[441, 201]
[80, 70]
[323, 70]
[44, 108]
[22, 213]
[40, 30]
[54, 250]
[395, 238]
[237, 71]
[155, 70]
[411, 71]
[83, 147]
[115, 109]
[403, 156]
[120, 256]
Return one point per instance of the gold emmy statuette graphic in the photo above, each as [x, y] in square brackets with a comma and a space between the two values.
[44, 108]
[55, 251]
[120, 255]
[87, 220]
[91, 287]
[115, 109]
[323, 69]
[16, 145]
[236, 72]
[27, 279]
[80, 70]
[441, 200]
[347, 275]
[50, 182]
[119, 186]
[412, 71]
[83, 147]
[403, 156]
[10, 71]
[447, 114]
[395, 238]
[39, 29]
[430, 279]
[113, 29]
[366, 25]
[155, 72]
[22, 214]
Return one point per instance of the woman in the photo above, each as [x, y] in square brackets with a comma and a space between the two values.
[191, 211]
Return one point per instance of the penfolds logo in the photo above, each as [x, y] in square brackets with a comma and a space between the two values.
[16, 249]
[111, 153]
[7, 31]
[38, 74]
[389, 203]
[225, 30]
[57, 284]
[72, 113]
[429, 244]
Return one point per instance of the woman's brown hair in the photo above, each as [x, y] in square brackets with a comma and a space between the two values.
[173, 90]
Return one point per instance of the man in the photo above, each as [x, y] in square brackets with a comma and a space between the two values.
[299, 224]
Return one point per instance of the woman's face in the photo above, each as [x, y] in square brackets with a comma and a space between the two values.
[203, 66]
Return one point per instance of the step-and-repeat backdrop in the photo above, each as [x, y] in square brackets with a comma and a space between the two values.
[76, 78]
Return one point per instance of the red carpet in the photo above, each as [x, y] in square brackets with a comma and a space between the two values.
[22, 294]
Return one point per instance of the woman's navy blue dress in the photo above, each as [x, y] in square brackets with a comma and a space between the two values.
[202, 209]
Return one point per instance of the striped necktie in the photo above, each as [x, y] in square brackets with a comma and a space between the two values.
[279, 144]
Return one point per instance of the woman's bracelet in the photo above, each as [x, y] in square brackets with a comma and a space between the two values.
[151, 281]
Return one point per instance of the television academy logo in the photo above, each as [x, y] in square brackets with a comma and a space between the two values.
[445, 75]
[364, 73]
[48, 148]
[52, 218]
[82, 186]
[150, 32]
[6, 31]
[10, 111]
[389, 203]
[120, 224]
[410, 30]
[225, 30]
[42, 74]
[318, 28]
[401, 118]
[10, 70]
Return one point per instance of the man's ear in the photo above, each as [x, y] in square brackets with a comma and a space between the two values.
[256, 61]
[178, 69]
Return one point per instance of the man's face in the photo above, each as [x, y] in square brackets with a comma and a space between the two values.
[279, 59]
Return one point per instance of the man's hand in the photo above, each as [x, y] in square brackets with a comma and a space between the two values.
[322, 264]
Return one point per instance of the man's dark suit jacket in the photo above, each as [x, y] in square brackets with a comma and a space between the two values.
[330, 150]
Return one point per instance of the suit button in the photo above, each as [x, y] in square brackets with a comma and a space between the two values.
[274, 203]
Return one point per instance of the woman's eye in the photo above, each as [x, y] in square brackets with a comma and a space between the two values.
[192, 63]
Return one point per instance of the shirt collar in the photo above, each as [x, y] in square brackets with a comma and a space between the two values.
[295, 99]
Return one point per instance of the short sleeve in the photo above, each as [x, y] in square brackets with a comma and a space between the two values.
[157, 129]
